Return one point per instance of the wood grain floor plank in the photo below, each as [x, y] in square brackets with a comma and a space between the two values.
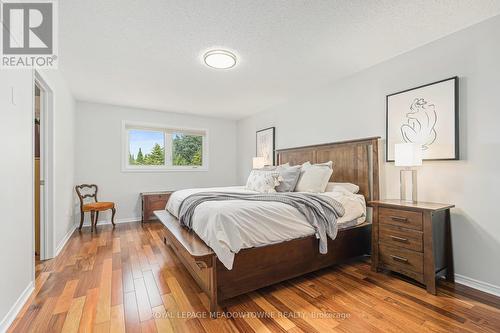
[161, 319]
[267, 307]
[173, 310]
[305, 309]
[117, 288]
[103, 311]
[64, 301]
[143, 304]
[148, 326]
[132, 321]
[117, 319]
[72, 322]
[160, 281]
[56, 323]
[125, 279]
[116, 245]
[89, 310]
[152, 289]
[150, 255]
[42, 319]
[103, 327]
[179, 295]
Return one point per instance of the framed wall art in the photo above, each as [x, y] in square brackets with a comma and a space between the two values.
[264, 143]
[425, 115]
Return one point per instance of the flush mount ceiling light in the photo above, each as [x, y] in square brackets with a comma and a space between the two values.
[219, 59]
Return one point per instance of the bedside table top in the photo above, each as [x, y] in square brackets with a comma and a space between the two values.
[397, 203]
[156, 193]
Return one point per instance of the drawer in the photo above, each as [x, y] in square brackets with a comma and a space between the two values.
[401, 259]
[401, 218]
[401, 237]
[198, 270]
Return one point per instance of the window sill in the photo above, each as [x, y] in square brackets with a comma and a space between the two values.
[163, 170]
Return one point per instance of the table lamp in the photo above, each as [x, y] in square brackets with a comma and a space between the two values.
[258, 162]
[408, 155]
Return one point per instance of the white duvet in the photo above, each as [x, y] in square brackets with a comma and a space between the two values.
[229, 226]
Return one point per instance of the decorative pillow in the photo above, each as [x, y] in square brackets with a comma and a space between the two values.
[349, 187]
[314, 178]
[289, 177]
[263, 181]
[327, 164]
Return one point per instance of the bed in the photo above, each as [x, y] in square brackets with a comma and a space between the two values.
[253, 261]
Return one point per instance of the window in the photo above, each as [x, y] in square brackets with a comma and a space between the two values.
[146, 147]
[187, 149]
[155, 148]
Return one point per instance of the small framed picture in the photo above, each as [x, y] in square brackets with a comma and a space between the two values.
[264, 143]
[426, 115]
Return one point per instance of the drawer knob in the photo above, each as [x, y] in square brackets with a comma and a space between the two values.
[399, 219]
[201, 265]
[400, 259]
[399, 239]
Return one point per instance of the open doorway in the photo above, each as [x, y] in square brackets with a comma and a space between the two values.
[39, 182]
[43, 166]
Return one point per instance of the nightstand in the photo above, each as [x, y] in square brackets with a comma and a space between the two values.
[413, 239]
[152, 201]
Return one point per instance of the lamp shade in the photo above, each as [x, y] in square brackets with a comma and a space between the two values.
[258, 162]
[407, 154]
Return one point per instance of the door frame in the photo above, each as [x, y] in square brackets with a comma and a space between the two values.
[47, 229]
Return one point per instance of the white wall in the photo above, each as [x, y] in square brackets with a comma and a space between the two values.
[98, 155]
[16, 197]
[16, 177]
[63, 122]
[355, 108]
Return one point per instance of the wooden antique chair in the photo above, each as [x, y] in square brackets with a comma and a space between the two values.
[85, 191]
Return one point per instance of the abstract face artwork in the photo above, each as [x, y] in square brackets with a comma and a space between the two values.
[420, 124]
[426, 115]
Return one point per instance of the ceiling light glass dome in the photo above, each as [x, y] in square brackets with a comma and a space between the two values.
[220, 59]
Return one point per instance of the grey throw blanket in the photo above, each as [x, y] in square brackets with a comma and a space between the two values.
[320, 211]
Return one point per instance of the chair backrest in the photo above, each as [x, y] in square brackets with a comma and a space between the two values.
[85, 191]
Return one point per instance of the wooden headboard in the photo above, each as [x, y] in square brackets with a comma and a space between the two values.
[354, 161]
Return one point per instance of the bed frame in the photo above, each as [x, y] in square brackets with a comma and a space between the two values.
[355, 161]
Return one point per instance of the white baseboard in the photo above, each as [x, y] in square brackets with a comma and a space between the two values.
[479, 285]
[123, 220]
[63, 241]
[18, 305]
[14, 310]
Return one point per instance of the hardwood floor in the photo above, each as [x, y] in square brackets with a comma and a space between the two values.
[126, 279]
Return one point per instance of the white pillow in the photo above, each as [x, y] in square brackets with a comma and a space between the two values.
[308, 164]
[314, 178]
[349, 187]
[263, 181]
[289, 176]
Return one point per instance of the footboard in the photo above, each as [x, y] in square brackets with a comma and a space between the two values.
[259, 267]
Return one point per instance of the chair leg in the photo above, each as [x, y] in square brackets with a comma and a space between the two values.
[113, 212]
[96, 218]
[92, 215]
[82, 216]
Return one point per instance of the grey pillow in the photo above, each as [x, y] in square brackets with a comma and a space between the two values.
[289, 177]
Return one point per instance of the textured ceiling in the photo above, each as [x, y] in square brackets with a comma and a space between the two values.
[147, 54]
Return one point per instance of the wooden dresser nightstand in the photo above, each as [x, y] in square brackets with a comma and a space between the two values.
[413, 239]
[152, 201]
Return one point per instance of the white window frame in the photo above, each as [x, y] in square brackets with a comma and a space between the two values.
[167, 132]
